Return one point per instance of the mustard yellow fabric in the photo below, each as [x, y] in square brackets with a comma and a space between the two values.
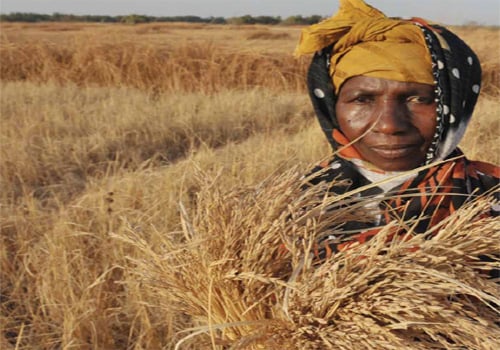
[369, 43]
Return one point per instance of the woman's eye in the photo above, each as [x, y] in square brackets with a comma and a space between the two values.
[363, 99]
[420, 99]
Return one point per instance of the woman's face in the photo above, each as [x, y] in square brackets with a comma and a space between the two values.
[394, 121]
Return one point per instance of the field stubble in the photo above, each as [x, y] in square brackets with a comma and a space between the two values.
[105, 129]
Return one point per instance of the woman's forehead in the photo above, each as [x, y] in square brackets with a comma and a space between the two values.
[366, 83]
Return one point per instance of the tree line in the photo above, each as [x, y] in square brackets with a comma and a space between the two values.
[135, 19]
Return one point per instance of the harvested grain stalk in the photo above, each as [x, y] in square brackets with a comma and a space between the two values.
[244, 274]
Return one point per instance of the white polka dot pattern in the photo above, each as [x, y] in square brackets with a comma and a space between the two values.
[335, 165]
[319, 93]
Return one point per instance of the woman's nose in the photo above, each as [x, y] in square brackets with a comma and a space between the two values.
[392, 118]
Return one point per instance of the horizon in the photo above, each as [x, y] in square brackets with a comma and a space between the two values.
[452, 12]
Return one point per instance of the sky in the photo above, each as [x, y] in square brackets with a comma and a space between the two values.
[486, 12]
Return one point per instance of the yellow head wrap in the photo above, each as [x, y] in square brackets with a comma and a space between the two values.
[368, 43]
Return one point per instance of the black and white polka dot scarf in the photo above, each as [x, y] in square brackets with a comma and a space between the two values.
[457, 75]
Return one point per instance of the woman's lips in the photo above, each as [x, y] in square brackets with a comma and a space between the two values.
[395, 151]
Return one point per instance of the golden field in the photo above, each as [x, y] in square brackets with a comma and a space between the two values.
[122, 144]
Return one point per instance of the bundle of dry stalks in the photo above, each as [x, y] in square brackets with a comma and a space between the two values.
[243, 274]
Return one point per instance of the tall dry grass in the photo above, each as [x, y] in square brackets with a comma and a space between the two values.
[174, 58]
[93, 168]
[71, 226]
[185, 67]
[84, 303]
[56, 138]
[129, 59]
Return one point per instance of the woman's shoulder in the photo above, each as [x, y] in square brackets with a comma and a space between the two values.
[485, 175]
[484, 168]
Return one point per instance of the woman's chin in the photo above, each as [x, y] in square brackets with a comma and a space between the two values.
[398, 164]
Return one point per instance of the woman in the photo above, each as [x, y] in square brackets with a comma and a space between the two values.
[391, 96]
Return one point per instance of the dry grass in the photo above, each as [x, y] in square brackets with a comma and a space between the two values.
[178, 57]
[186, 67]
[268, 35]
[155, 63]
[57, 138]
[112, 126]
[38, 243]
[481, 138]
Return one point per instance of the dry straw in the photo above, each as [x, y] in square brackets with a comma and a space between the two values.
[244, 275]
[197, 66]
[179, 57]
